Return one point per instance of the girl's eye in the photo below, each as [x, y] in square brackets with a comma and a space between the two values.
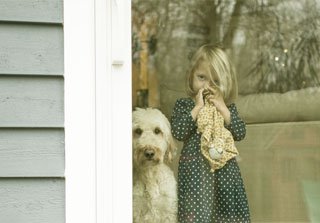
[157, 131]
[138, 131]
[201, 77]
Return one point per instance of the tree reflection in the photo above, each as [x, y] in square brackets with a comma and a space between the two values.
[275, 45]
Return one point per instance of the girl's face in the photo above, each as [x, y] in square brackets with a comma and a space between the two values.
[202, 77]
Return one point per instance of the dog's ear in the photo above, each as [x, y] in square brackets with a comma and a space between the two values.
[171, 150]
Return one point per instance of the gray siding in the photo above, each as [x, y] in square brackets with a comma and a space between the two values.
[32, 101]
[48, 11]
[31, 49]
[32, 156]
[30, 152]
[32, 200]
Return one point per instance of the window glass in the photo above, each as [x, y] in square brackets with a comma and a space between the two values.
[275, 49]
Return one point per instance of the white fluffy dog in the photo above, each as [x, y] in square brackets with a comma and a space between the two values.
[154, 184]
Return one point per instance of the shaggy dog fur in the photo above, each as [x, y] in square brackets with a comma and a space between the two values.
[154, 184]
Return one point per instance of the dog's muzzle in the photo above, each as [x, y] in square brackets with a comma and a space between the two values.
[149, 153]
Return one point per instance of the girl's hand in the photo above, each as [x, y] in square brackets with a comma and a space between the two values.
[216, 99]
[199, 103]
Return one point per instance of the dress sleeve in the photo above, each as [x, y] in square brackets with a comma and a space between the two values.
[182, 123]
[237, 127]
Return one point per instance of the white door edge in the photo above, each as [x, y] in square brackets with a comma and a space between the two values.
[98, 111]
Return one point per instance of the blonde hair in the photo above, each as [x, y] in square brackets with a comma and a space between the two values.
[220, 67]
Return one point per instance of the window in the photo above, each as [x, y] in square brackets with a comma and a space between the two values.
[275, 47]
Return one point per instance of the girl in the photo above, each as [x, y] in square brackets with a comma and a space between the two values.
[206, 196]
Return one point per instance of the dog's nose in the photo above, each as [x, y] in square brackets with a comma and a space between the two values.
[149, 153]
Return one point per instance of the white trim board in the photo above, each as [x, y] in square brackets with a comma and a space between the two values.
[98, 111]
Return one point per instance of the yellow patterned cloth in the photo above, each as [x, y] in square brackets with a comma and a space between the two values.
[217, 144]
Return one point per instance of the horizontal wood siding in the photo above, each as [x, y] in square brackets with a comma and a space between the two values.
[31, 101]
[32, 160]
[32, 200]
[30, 49]
[49, 11]
[31, 152]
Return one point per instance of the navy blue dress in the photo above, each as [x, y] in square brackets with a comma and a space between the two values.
[204, 196]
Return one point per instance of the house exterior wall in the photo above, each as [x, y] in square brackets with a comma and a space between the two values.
[32, 160]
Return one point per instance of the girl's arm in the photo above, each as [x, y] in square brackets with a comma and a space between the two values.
[237, 127]
[182, 122]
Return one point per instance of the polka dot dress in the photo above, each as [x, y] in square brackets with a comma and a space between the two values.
[204, 196]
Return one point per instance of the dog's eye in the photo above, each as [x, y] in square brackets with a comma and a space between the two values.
[138, 131]
[157, 131]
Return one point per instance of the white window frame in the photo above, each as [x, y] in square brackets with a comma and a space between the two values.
[97, 45]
